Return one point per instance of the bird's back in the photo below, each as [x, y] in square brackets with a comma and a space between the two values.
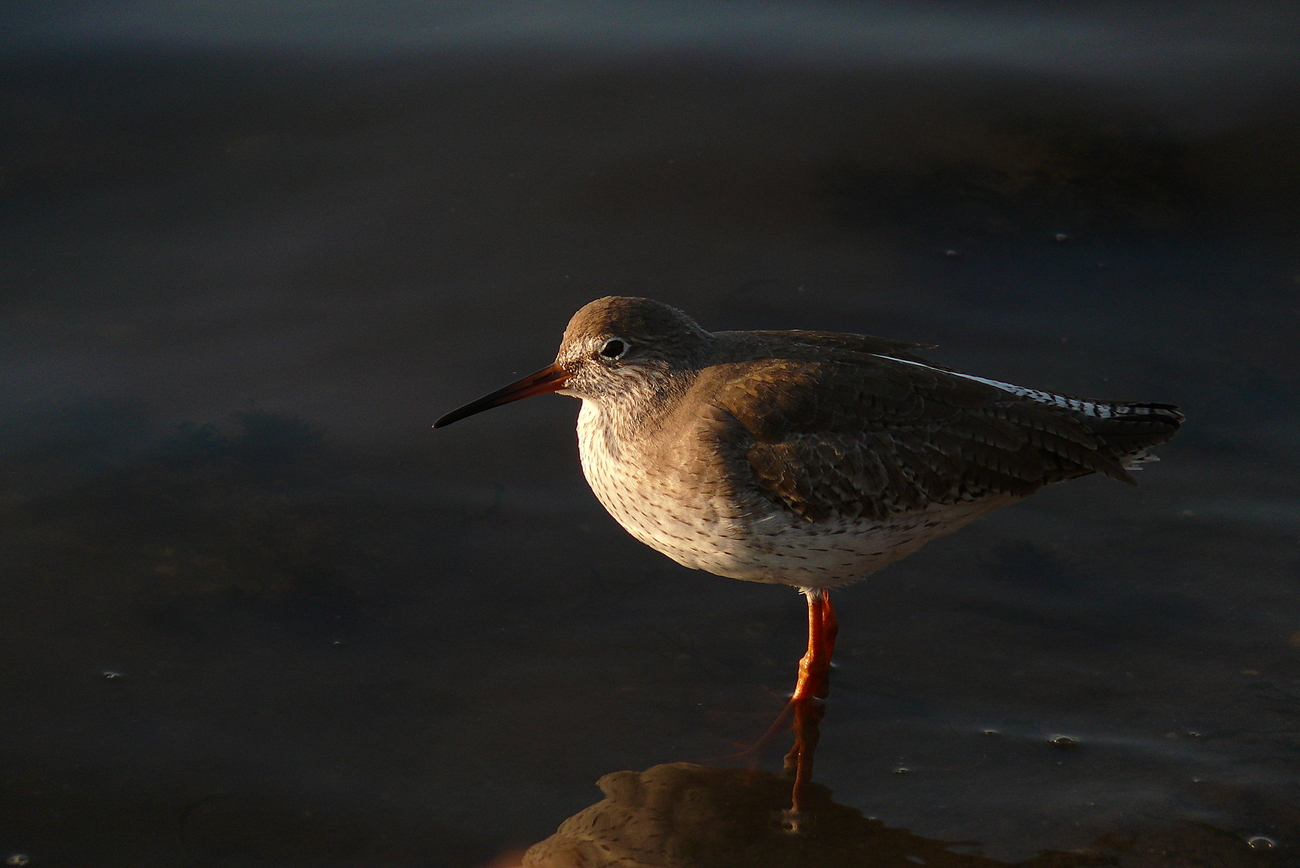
[868, 427]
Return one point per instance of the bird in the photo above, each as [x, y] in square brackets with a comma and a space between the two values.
[809, 458]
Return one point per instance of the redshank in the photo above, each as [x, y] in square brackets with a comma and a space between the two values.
[806, 458]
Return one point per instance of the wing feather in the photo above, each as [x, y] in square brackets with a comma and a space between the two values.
[861, 436]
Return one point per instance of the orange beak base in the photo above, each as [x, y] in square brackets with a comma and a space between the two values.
[549, 379]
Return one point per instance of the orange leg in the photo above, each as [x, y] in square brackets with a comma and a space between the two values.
[815, 666]
[812, 687]
[806, 708]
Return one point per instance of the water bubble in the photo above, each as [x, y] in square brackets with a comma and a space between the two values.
[900, 770]
[1063, 740]
[1261, 842]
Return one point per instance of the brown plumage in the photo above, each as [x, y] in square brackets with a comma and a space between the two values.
[809, 458]
[869, 429]
[731, 451]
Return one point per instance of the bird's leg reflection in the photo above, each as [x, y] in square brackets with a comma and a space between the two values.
[799, 761]
[806, 706]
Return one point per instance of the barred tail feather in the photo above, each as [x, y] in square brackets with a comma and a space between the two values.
[1130, 429]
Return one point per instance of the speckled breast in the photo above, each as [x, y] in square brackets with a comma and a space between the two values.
[660, 498]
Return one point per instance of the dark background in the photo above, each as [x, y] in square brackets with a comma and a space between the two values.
[256, 612]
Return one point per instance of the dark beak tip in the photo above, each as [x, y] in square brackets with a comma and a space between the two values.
[548, 379]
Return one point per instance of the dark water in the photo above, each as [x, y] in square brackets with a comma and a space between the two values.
[256, 612]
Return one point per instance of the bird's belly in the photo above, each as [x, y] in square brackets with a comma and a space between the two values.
[706, 528]
[786, 548]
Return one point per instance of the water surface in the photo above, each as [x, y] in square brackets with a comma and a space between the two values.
[258, 613]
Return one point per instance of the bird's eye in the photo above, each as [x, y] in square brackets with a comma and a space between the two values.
[614, 348]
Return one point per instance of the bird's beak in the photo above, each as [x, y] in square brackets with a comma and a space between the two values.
[549, 379]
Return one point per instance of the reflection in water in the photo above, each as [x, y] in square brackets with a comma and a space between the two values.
[691, 816]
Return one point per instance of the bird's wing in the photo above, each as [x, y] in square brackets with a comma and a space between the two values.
[861, 435]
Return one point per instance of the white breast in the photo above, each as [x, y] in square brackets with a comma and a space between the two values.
[661, 503]
[654, 500]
